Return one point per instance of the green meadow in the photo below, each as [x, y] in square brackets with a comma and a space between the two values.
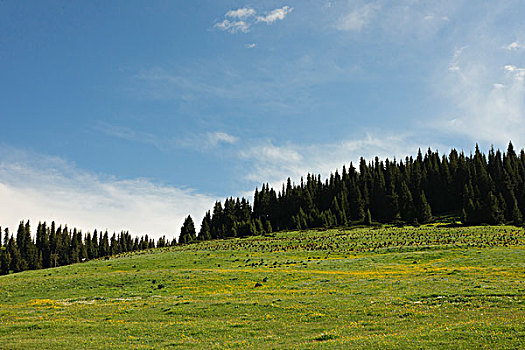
[428, 287]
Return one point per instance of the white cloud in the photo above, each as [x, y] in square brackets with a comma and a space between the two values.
[43, 188]
[275, 15]
[358, 18]
[241, 13]
[401, 22]
[198, 141]
[274, 164]
[487, 102]
[483, 95]
[454, 62]
[250, 45]
[513, 46]
[244, 18]
[432, 17]
[233, 26]
[277, 86]
[518, 73]
[214, 138]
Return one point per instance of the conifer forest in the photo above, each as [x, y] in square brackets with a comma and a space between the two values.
[476, 189]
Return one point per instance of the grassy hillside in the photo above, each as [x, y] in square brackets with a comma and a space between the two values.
[403, 288]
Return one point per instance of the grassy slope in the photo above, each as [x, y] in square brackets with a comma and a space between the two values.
[364, 288]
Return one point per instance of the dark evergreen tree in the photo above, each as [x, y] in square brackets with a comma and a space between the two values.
[205, 232]
[5, 261]
[14, 253]
[424, 212]
[6, 236]
[368, 218]
[187, 231]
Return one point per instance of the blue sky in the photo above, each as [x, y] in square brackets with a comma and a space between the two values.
[133, 114]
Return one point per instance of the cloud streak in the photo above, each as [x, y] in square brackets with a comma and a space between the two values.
[198, 142]
[241, 13]
[514, 46]
[487, 99]
[233, 26]
[273, 163]
[358, 18]
[38, 187]
[275, 15]
[242, 19]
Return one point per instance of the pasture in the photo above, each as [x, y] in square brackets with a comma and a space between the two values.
[430, 287]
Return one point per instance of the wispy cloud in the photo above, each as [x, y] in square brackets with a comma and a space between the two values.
[207, 141]
[517, 73]
[399, 21]
[483, 91]
[197, 142]
[250, 45]
[435, 18]
[487, 101]
[126, 133]
[276, 86]
[214, 138]
[242, 19]
[513, 46]
[241, 13]
[233, 26]
[39, 187]
[275, 15]
[454, 62]
[273, 163]
[358, 18]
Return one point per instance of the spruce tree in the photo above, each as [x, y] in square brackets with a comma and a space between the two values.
[424, 213]
[464, 218]
[205, 233]
[515, 213]
[368, 218]
[6, 236]
[21, 245]
[16, 258]
[187, 231]
[5, 261]
[95, 245]
[492, 213]
[406, 203]
[268, 226]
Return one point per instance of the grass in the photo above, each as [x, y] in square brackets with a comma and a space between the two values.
[430, 287]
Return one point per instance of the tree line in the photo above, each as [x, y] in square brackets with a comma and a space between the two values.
[477, 188]
[58, 246]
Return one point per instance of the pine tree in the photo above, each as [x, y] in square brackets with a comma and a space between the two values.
[406, 203]
[515, 213]
[205, 233]
[268, 226]
[492, 213]
[104, 244]
[6, 236]
[368, 218]
[259, 226]
[22, 247]
[424, 213]
[95, 245]
[187, 231]
[5, 261]
[464, 217]
[357, 204]
[16, 258]
[45, 246]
